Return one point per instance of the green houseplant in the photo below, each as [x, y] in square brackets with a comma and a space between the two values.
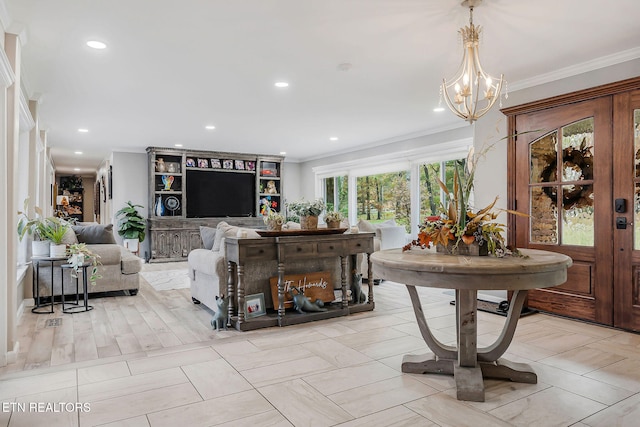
[131, 226]
[79, 254]
[53, 229]
[308, 212]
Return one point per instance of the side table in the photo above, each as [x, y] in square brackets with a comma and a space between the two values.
[76, 307]
[36, 283]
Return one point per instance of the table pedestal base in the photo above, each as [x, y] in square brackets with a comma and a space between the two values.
[469, 380]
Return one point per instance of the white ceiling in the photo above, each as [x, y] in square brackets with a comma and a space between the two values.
[172, 67]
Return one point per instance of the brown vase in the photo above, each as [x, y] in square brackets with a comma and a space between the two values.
[333, 224]
[473, 249]
[308, 222]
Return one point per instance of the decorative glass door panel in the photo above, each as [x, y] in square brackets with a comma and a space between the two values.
[565, 189]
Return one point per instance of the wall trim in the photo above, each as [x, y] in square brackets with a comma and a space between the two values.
[574, 70]
[391, 162]
[26, 119]
[7, 77]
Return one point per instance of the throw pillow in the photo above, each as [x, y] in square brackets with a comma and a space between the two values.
[217, 242]
[208, 236]
[69, 237]
[94, 234]
[366, 226]
[388, 223]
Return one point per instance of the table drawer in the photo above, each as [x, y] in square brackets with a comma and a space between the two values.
[329, 249]
[299, 249]
[260, 252]
[359, 244]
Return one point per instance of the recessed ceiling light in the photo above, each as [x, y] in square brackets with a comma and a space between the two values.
[209, 127]
[83, 130]
[283, 153]
[96, 44]
[282, 84]
[76, 169]
[77, 152]
[178, 145]
[333, 138]
[438, 109]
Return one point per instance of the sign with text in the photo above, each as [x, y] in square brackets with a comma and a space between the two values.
[316, 285]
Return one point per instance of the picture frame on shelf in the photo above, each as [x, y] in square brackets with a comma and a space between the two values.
[227, 164]
[215, 163]
[203, 163]
[254, 306]
[239, 165]
[191, 163]
[251, 165]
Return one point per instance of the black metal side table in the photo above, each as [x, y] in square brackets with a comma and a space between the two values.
[36, 283]
[76, 307]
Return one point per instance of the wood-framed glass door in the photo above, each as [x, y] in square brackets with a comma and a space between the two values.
[626, 207]
[578, 177]
[563, 181]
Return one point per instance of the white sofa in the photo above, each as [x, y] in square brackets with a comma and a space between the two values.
[389, 235]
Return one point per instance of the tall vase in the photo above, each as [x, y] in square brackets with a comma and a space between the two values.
[159, 207]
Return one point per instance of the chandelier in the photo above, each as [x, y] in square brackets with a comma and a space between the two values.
[471, 92]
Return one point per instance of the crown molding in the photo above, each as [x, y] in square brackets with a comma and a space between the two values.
[26, 119]
[574, 70]
[7, 76]
[5, 18]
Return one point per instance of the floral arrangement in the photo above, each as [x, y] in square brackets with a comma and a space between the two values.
[333, 216]
[458, 224]
[307, 208]
[273, 217]
[79, 253]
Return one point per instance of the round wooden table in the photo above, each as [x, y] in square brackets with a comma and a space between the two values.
[468, 274]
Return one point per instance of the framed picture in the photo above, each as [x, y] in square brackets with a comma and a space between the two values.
[110, 182]
[240, 165]
[254, 306]
[215, 163]
[251, 166]
[203, 163]
[191, 163]
[227, 164]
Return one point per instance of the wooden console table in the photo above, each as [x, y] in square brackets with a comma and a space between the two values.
[468, 274]
[241, 251]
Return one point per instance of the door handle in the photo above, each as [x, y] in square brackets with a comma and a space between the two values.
[621, 223]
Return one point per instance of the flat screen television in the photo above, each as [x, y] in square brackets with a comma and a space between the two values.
[220, 194]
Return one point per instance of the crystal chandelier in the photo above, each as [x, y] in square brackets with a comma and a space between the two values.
[471, 92]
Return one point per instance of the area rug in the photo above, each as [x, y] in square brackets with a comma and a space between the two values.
[167, 279]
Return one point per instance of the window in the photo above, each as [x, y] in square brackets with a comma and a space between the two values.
[432, 198]
[336, 194]
[385, 196]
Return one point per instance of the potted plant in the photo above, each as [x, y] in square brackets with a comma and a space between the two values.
[132, 226]
[53, 229]
[307, 211]
[274, 220]
[79, 255]
[333, 219]
[33, 227]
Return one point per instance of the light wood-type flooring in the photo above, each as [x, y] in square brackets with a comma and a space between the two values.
[153, 360]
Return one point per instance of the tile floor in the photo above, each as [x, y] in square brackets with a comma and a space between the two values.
[343, 371]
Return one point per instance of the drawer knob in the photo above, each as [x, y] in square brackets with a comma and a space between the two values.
[261, 251]
[299, 249]
[359, 244]
[331, 247]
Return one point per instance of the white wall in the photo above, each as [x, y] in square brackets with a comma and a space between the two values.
[291, 177]
[307, 176]
[491, 174]
[130, 183]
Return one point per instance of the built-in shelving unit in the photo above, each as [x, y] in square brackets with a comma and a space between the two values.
[189, 188]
